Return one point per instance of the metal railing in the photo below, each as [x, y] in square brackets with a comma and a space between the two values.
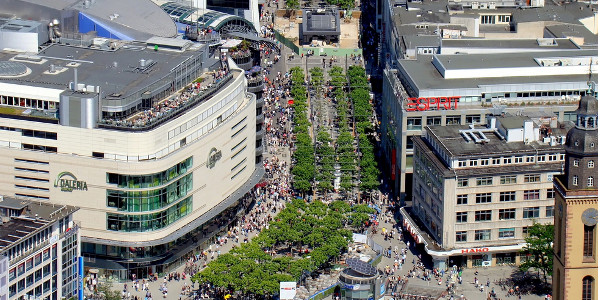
[153, 123]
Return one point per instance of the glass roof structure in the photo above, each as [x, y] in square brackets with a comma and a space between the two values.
[206, 18]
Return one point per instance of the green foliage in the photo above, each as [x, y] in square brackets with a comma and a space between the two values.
[304, 156]
[107, 290]
[292, 4]
[539, 249]
[359, 95]
[315, 226]
[343, 4]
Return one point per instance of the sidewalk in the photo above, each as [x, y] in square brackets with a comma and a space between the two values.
[467, 288]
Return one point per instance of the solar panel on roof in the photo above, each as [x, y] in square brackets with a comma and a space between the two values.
[361, 267]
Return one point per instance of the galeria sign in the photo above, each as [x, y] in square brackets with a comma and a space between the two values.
[475, 250]
[423, 104]
[67, 182]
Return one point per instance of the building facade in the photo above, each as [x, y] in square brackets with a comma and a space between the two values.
[463, 89]
[40, 250]
[155, 159]
[575, 274]
[477, 189]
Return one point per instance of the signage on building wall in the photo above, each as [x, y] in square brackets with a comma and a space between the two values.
[67, 182]
[438, 103]
[213, 156]
[474, 250]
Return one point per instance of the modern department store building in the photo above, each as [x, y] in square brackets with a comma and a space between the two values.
[83, 127]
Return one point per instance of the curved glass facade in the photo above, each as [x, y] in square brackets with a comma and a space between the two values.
[149, 222]
[149, 180]
[137, 201]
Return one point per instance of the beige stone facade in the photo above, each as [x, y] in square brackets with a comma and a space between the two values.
[571, 267]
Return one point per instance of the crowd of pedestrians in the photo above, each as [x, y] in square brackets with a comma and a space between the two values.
[167, 106]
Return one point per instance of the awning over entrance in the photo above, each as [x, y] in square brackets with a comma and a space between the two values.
[411, 227]
[434, 250]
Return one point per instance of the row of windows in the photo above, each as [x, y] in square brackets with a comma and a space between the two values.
[150, 180]
[504, 179]
[590, 163]
[29, 243]
[149, 222]
[32, 133]
[486, 234]
[504, 196]
[215, 108]
[504, 214]
[415, 123]
[43, 148]
[495, 161]
[136, 201]
[590, 180]
[27, 102]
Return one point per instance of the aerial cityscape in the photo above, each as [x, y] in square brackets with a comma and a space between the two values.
[299, 149]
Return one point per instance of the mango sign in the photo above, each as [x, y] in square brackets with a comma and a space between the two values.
[475, 250]
[423, 104]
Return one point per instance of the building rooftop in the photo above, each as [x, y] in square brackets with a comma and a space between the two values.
[425, 76]
[506, 60]
[542, 44]
[450, 138]
[15, 25]
[116, 72]
[31, 217]
[132, 19]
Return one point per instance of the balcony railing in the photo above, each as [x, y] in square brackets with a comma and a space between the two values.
[170, 115]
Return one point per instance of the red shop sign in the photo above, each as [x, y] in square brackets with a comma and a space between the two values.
[475, 250]
[422, 104]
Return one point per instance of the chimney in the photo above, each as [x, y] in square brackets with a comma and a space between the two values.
[492, 123]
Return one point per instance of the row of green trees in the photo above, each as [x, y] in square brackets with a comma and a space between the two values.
[343, 4]
[303, 169]
[275, 255]
[363, 110]
[345, 150]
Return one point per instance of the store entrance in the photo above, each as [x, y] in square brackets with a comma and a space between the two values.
[459, 261]
[141, 272]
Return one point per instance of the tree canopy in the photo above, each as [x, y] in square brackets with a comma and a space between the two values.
[538, 248]
[316, 228]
